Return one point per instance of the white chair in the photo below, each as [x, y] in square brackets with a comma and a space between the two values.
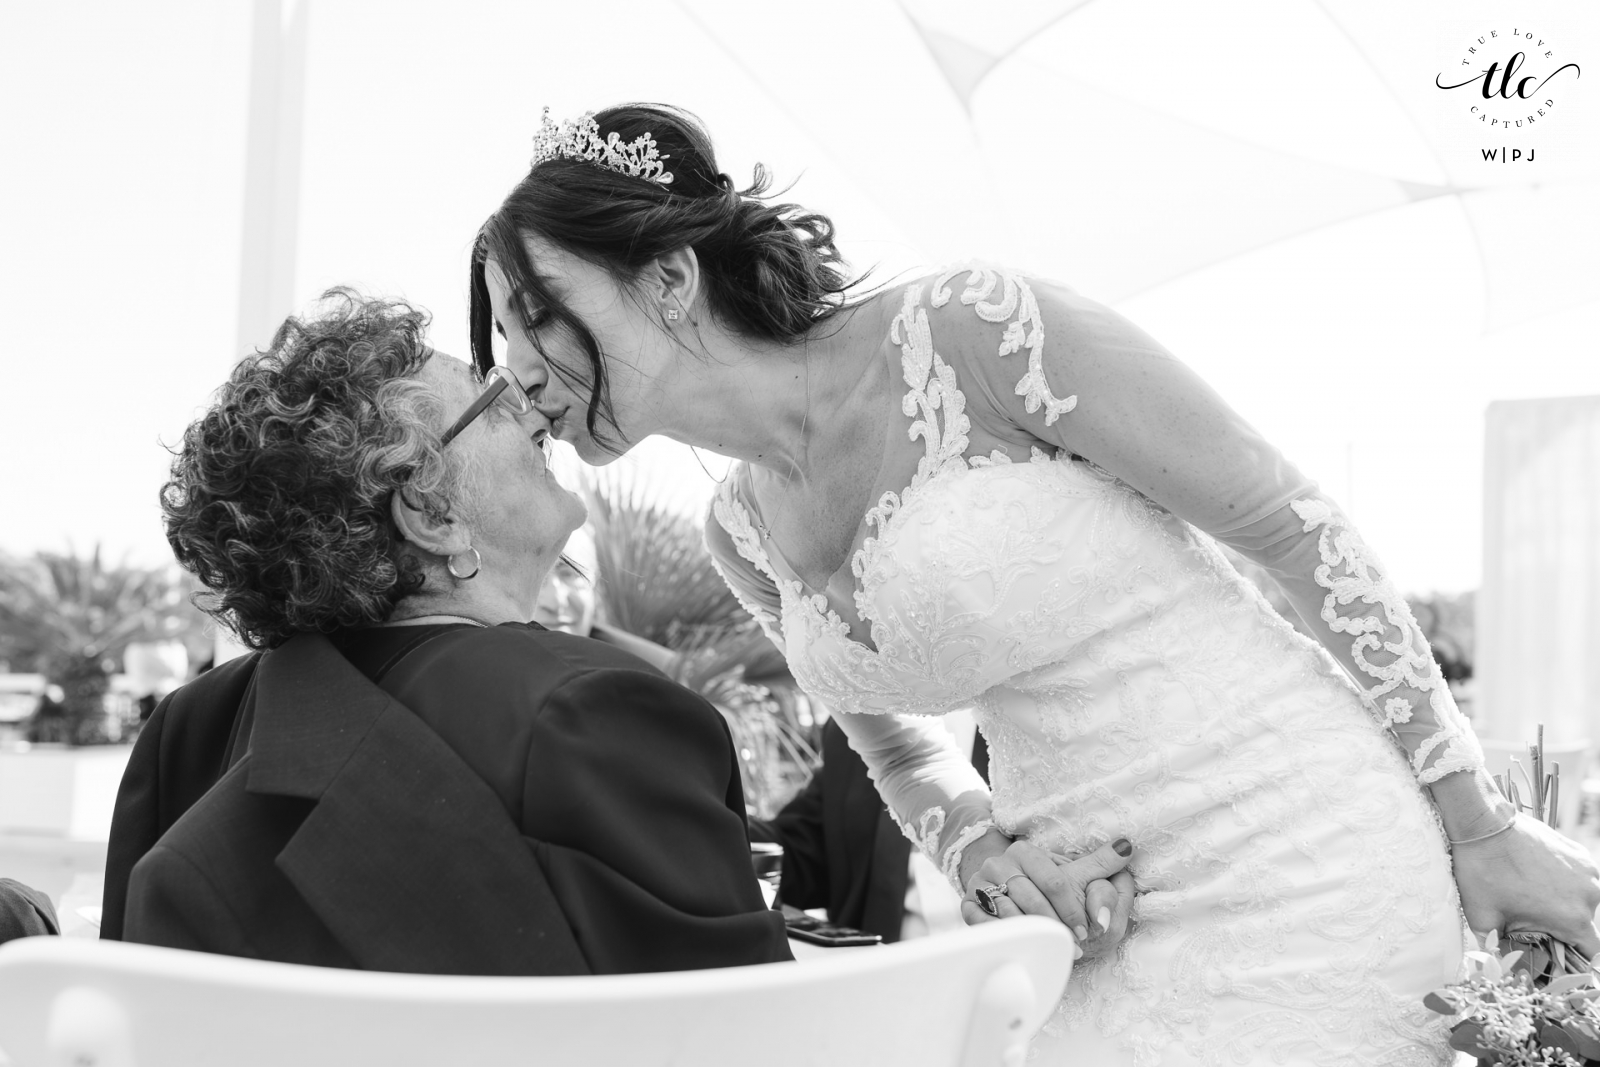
[968, 999]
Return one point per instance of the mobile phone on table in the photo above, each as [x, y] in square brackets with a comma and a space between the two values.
[814, 931]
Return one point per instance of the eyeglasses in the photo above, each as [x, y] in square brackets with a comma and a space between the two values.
[499, 385]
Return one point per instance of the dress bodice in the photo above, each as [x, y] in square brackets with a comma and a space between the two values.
[950, 587]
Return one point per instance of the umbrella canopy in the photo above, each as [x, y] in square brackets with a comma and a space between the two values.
[1272, 189]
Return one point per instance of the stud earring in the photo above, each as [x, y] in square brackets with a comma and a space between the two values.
[672, 314]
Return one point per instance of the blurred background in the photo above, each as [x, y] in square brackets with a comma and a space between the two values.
[1278, 190]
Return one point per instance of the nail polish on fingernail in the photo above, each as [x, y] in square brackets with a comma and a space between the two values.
[1077, 953]
[1081, 932]
[1103, 917]
[1122, 846]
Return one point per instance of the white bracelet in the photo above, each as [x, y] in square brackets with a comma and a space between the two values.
[1483, 837]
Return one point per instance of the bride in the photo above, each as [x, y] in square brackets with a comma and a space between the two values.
[981, 489]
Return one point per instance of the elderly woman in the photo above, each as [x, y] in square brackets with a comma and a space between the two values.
[413, 777]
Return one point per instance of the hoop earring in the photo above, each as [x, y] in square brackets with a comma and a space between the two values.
[477, 564]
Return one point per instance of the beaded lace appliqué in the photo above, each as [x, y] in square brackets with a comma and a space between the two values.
[930, 386]
[1026, 330]
[1350, 572]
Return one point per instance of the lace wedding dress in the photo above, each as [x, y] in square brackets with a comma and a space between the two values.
[1295, 893]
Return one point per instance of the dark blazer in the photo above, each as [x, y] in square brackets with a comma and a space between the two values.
[508, 801]
[841, 848]
[25, 912]
[185, 746]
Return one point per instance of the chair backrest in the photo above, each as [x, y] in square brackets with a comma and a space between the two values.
[968, 999]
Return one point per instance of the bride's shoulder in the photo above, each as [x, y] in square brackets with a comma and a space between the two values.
[975, 294]
[971, 314]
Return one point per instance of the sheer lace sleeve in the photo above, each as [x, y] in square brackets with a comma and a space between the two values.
[1102, 389]
[1346, 596]
[755, 589]
[934, 793]
[936, 797]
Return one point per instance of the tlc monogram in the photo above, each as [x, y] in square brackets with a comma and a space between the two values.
[1503, 92]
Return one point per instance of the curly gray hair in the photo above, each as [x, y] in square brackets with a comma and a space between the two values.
[278, 499]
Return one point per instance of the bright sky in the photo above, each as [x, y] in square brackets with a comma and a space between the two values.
[1117, 150]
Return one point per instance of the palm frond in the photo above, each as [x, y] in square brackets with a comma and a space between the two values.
[59, 608]
[656, 578]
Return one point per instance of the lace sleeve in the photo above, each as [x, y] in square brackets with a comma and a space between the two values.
[1138, 413]
[751, 585]
[1344, 594]
[934, 793]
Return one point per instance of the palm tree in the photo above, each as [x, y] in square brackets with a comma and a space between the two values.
[657, 581]
[656, 577]
[73, 616]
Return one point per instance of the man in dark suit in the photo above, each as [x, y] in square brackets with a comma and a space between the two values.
[841, 848]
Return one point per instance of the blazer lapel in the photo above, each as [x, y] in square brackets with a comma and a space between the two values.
[408, 857]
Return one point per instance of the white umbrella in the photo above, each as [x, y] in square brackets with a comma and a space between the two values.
[1125, 143]
[1160, 155]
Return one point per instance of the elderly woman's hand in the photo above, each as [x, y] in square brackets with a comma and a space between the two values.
[1092, 894]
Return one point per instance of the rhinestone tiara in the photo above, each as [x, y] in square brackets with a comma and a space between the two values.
[582, 140]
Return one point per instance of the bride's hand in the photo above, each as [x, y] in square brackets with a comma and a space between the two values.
[1530, 878]
[1092, 895]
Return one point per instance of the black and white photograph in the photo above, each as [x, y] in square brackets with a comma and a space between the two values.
[899, 533]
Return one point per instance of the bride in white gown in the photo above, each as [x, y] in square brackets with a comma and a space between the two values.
[977, 489]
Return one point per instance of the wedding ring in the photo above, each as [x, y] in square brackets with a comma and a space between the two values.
[988, 897]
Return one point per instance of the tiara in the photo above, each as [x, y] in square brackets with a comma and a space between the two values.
[582, 140]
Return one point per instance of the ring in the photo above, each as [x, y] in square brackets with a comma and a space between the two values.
[988, 897]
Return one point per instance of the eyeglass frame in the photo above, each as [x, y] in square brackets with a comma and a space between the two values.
[496, 382]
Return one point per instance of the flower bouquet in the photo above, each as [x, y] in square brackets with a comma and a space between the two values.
[1539, 1002]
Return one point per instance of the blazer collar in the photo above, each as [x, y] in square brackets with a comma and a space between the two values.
[312, 711]
[409, 857]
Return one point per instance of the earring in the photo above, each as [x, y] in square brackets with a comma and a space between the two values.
[477, 564]
[672, 314]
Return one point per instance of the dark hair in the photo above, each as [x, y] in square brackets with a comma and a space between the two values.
[771, 271]
[278, 498]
